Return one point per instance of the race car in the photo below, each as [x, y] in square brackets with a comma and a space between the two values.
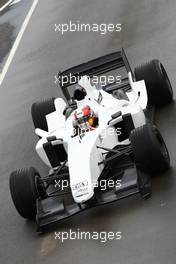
[99, 142]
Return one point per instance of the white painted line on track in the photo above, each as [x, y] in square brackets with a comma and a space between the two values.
[17, 41]
[15, 2]
[4, 6]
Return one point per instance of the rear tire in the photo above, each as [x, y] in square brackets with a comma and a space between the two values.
[24, 192]
[150, 152]
[158, 85]
[39, 110]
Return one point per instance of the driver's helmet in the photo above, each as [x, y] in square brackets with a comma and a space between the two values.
[85, 119]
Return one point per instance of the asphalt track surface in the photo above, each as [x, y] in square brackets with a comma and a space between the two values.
[11, 19]
[148, 227]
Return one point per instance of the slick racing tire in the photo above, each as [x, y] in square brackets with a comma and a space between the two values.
[24, 192]
[39, 110]
[157, 83]
[150, 152]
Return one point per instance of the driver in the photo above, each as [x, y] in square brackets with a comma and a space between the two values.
[85, 119]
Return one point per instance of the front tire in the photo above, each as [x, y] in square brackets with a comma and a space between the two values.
[158, 85]
[150, 152]
[24, 192]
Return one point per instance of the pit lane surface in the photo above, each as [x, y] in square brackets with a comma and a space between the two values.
[148, 227]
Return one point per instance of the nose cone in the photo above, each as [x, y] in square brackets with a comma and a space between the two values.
[83, 158]
[83, 194]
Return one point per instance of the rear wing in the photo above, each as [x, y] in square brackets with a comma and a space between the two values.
[92, 68]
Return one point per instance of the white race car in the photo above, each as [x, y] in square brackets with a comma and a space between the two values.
[100, 144]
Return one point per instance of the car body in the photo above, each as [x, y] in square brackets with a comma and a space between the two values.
[124, 146]
[83, 147]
